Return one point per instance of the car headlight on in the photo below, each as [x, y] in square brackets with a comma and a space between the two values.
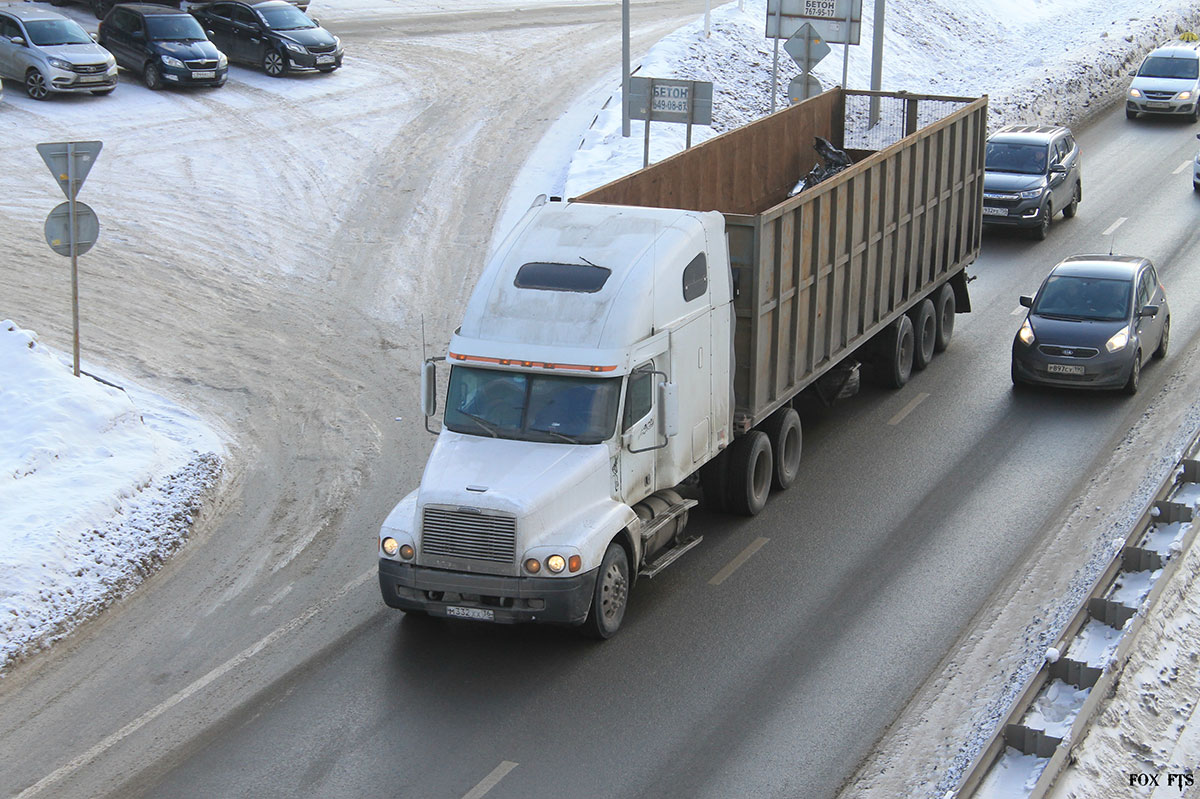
[1135, 93]
[1118, 340]
[1026, 333]
[295, 48]
[172, 61]
[1183, 96]
[1032, 194]
[58, 63]
[222, 61]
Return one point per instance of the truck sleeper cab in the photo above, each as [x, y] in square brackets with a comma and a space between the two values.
[561, 419]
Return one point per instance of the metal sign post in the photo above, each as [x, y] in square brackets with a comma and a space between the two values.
[70, 163]
[806, 47]
[668, 100]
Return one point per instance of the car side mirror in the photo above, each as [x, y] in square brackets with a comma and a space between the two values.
[1148, 312]
[1026, 301]
[210, 34]
[315, 21]
[1058, 169]
[20, 40]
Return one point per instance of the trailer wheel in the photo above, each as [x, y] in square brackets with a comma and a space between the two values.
[924, 320]
[787, 440]
[945, 308]
[610, 596]
[750, 468]
[898, 352]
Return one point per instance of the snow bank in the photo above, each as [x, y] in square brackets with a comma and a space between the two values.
[92, 496]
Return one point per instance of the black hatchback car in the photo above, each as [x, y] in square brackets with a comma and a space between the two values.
[1094, 322]
[274, 34]
[167, 46]
[1031, 172]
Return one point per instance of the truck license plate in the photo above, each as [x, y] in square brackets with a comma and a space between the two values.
[1064, 369]
[990, 211]
[479, 614]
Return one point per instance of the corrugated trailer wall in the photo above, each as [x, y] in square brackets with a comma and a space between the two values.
[820, 273]
[840, 261]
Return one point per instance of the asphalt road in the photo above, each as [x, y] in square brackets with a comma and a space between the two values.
[774, 681]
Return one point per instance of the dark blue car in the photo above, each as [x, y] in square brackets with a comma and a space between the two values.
[165, 45]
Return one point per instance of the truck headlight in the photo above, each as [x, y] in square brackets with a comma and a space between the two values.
[532, 565]
[390, 547]
[1026, 333]
[556, 563]
[1118, 340]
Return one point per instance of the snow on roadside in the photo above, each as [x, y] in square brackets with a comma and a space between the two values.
[96, 489]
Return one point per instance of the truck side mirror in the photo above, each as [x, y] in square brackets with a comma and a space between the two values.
[429, 388]
[668, 403]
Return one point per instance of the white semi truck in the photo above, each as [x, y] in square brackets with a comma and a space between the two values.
[653, 334]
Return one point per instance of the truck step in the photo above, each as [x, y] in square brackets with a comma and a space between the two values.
[670, 556]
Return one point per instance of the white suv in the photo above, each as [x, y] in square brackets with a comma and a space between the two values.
[1167, 82]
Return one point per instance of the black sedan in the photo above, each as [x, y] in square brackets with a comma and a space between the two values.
[1094, 322]
[273, 33]
[166, 45]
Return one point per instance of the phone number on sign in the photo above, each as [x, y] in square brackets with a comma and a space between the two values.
[820, 8]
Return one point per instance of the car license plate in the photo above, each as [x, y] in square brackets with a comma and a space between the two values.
[91, 78]
[1064, 369]
[204, 73]
[479, 614]
[1153, 104]
[324, 59]
[990, 211]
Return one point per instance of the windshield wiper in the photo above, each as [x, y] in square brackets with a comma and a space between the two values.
[563, 436]
[1062, 317]
[484, 423]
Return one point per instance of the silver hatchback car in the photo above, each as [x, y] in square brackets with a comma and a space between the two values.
[1094, 322]
[49, 53]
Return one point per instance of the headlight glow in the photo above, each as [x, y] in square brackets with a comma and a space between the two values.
[556, 563]
[1134, 93]
[1184, 96]
[1118, 340]
[1026, 333]
[172, 61]
[389, 547]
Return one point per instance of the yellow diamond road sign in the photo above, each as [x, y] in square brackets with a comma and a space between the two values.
[70, 162]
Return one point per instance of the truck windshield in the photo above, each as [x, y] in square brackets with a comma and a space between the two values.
[532, 407]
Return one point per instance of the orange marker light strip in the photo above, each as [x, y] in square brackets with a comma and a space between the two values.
[578, 367]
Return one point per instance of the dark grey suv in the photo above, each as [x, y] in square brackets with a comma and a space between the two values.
[1031, 174]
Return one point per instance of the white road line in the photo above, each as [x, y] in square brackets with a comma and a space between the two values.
[1114, 226]
[489, 782]
[1181, 167]
[199, 685]
[1020, 310]
[909, 408]
[742, 557]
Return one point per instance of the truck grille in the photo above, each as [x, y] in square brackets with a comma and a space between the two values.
[472, 534]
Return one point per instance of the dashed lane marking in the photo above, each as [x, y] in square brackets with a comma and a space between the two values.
[742, 557]
[909, 408]
[1111, 228]
[489, 782]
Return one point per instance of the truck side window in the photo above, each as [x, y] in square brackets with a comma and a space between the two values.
[639, 397]
[695, 278]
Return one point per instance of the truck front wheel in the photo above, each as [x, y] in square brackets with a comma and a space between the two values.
[750, 468]
[610, 596]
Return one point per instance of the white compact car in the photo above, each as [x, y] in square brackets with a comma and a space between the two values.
[1167, 82]
[49, 53]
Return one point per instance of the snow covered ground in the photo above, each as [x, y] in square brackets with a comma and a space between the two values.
[98, 486]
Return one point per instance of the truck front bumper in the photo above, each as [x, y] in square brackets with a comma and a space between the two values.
[505, 600]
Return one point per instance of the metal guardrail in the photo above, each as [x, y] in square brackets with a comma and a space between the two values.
[1020, 731]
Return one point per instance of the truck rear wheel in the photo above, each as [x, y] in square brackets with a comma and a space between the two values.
[750, 468]
[945, 307]
[898, 352]
[924, 320]
[787, 439]
[611, 594]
